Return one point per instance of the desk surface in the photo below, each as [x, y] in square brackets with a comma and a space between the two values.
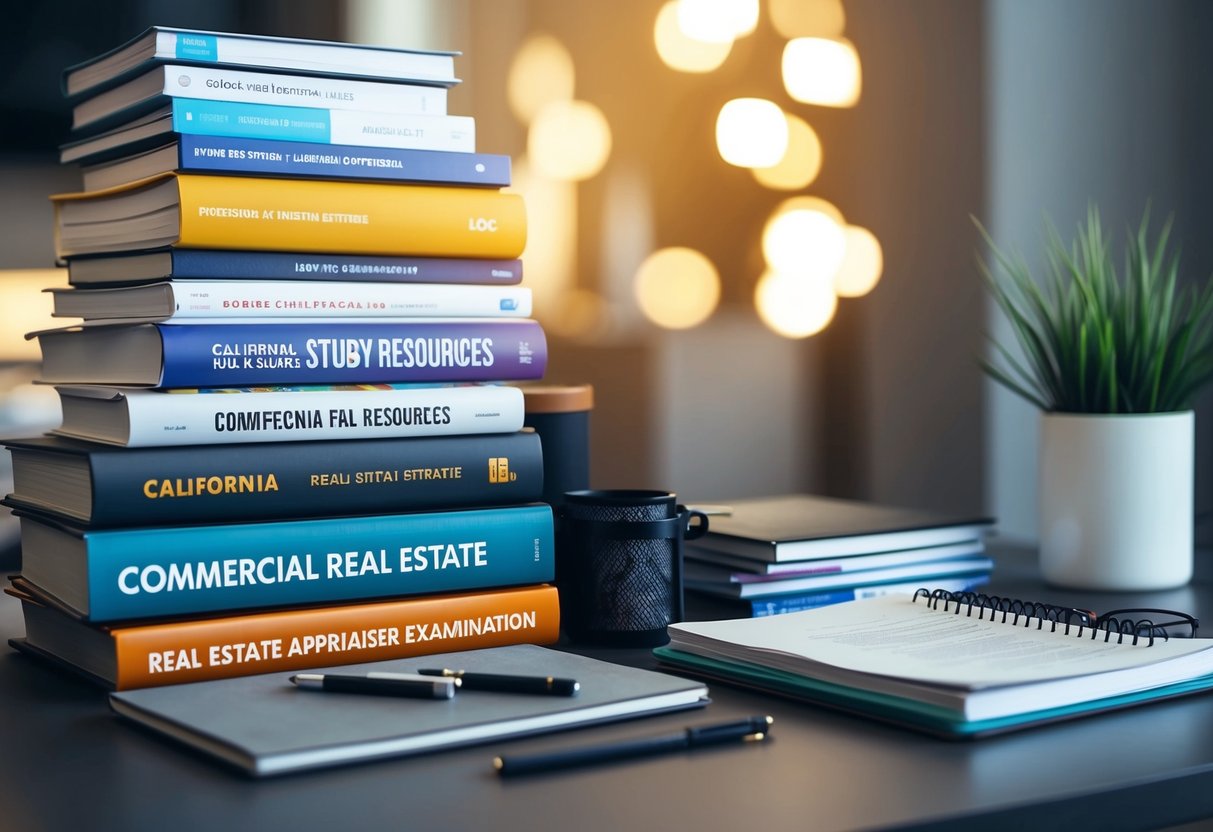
[69, 764]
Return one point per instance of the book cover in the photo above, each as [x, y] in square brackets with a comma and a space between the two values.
[254, 723]
[187, 263]
[802, 527]
[184, 300]
[140, 418]
[119, 574]
[193, 650]
[152, 89]
[160, 44]
[262, 214]
[726, 567]
[702, 578]
[258, 157]
[108, 487]
[273, 352]
[781, 604]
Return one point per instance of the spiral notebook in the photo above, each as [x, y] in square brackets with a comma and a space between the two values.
[958, 665]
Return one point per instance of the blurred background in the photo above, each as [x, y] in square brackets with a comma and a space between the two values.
[752, 230]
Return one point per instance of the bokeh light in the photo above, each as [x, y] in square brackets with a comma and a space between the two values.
[717, 21]
[822, 71]
[751, 133]
[801, 162]
[541, 72]
[677, 288]
[808, 18]
[862, 263]
[794, 305]
[804, 241]
[569, 140]
[678, 51]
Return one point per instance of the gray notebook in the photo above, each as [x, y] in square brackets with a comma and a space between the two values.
[266, 726]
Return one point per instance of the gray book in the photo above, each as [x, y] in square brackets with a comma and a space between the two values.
[266, 726]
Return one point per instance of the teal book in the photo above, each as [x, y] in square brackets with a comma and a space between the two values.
[120, 574]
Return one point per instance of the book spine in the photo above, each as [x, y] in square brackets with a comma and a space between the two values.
[273, 265]
[182, 570]
[334, 352]
[354, 217]
[259, 157]
[217, 416]
[404, 131]
[281, 299]
[264, 481]
[797, 603]
[275, 642]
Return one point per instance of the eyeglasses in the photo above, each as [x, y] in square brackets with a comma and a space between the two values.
[1141, 622]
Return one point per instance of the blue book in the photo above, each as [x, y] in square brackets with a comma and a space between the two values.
[118, 574]
[215, 264]
[781, 604]
[262, 157]
[269, 352]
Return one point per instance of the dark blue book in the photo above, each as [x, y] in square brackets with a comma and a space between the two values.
[269, 352]
[213, 264]
[264, 157]
[120, 574]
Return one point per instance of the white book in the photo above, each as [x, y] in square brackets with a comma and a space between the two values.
[179, 300]
[145, 418]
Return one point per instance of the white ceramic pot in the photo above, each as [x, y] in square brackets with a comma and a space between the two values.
[1116, 500]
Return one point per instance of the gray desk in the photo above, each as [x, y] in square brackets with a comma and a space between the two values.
[68, 763]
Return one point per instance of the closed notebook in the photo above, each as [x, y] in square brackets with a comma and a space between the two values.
[265, 726]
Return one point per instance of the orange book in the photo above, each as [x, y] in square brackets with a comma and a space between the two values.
[312, 215]
[166, 653]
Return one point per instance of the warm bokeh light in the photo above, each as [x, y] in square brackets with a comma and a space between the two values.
[800, 163]
[541, 72]
[810, 203]
[751, 133]
[24, 307]
[580, 314]
[550, 256]
[678, 51]
[677, 288]
[822, 71]
[808, 18]
[804, 242]
[862, 263]
[717, 21]
[569, 140]
[793, 305]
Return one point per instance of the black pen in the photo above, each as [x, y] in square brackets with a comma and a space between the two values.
[754, 729]
[379, 684]
[505, 683]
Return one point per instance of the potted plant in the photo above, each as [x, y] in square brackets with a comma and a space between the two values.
[1113, 362]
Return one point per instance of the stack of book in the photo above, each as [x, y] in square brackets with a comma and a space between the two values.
[773, 555]
[285, 441]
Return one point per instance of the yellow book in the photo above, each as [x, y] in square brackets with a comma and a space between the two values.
[236, 212]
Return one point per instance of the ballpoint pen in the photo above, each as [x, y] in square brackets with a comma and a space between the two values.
[753, 729]
[507, 683]
[379, 684]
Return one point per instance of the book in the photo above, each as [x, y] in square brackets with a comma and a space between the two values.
[141, 655]
[151, 90]
[223, 353]
[185, 263]
[235, 299]
[257, 725]
[234, 212]
[258, 157]
[744, 570]
[108, 487]
[702, 577]
[139, 418]
[781, 604]
[104, 575]
[236, 120]
[802, 527]
[956, 666]
[161, 44]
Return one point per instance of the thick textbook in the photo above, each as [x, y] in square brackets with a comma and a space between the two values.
[187, 263]
[151, 90]
[209, 416]
[263, 214]
[259, 157]
[261, 727]
[105, 575]
[162, 44]
[803, 527]
[252, 299]
[956, 666]
[109, 487]
[196, 649]
[273, 351]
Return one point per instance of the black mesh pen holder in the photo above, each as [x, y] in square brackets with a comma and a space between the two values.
[619, 565]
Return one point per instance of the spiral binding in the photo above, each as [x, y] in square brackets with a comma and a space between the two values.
[1064, 617]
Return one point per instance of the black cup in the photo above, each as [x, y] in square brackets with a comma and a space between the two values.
[619, 565]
